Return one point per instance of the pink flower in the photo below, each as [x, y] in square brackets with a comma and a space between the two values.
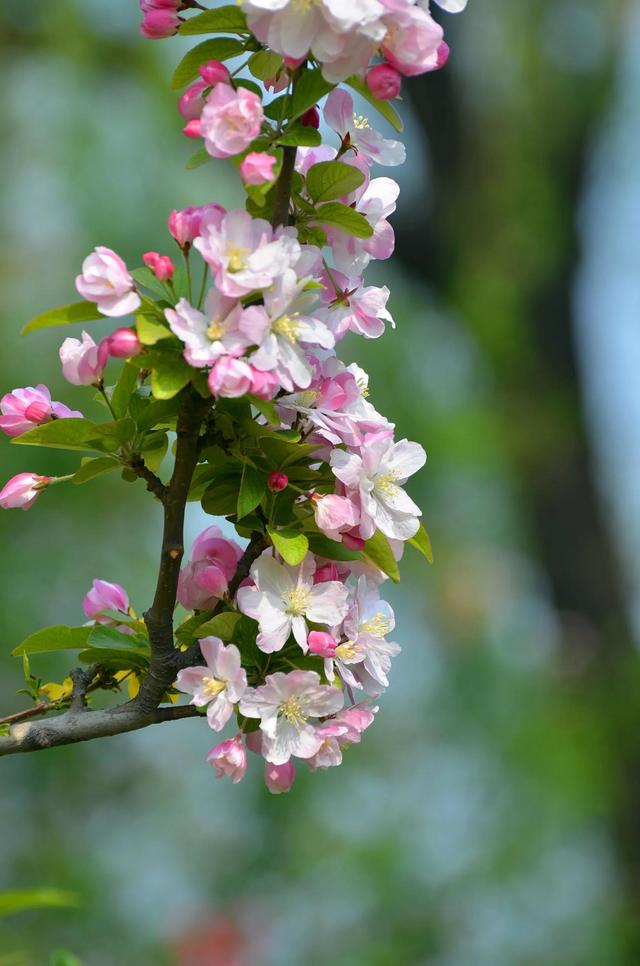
[230, 377]
[335, 515]
[413, 41]
[161, 265]
[355, 131]
[158, 24]
[230, 120]
[384, 82]
[22, 491]
[212, 333]
[277, 481]
[356, 308]
[123, 344]
[191, 103]
[83, 363]
[229, 758]
[205, 579]
[105, 280]
[104, 596]
[23, 409]
[328, 571]
[322, 644]
[279, 778]
[219, 685]
[214, 72]
[192, 129]
[184, 225]
[257, 167]
[264, 385]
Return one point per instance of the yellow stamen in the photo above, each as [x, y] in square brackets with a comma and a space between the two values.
[237, 258]
[377, 626]
[296, 601]
[361, 123]
[286, 326]
[216, 330]
[292, 711]
[211, 687]
[385, 483]
[347, 651]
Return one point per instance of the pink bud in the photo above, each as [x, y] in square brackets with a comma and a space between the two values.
[184, 225]
[22, 491]
[191, 103]
[264, 385]
[328, 571]
[123, 344]
[83, 362]
[158, 24]
[38, 411]
[192, 128]
[352, 542]
[293, 62]
[384, 82]
[160, 265]
[277, 481]
[230, 377]
[279, 778]
[311, 118]
[443, 54]
[257, 167]
[229, 758]
[322, 644]
[105, 596]
[214, 72]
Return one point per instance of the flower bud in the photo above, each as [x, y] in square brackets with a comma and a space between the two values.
[311, 118]
[106, 281]
[322, 644]
[83, 363]
[105, 596]
[230, 377]
[384, 82]
[123, 344]
[191, 103]
[257, 167]
[352, 542]
[277, 481]
[22, 491]
[158, 24]
[214, 72]
[328, 571]
[161, 265]
[279, 778]
[229, 758]
[264, 385]
[192, 129]
[185, 225]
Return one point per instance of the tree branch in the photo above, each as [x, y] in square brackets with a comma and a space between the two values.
[283, 188]
[154, 483]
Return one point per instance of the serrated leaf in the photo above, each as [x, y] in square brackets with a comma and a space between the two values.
[218, 48]
[63, 315]
[378, 551]
[290, 544]
[253, 487]
[223, 20]
[344, 218]
[199, 158]
[95, 466]
[422, 543]
[328, 180]
[265, 64]
[59, 637]
[385, 108]
[123, 389]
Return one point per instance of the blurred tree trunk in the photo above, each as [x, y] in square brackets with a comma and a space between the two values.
[507, 172]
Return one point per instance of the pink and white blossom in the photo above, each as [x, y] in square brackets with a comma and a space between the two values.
[205, 578]
[105, 596]
[230, 378]
[218, 685]
[356, 131]
[83, 362]
[229, 758]
[105, 280]
[257, 167]
[284, 598]
[230, 120]
[335, 515]
[22, 491]
[376, 202]
[413, 40]
[351, 306]
[287, 705]
[365, 628]
[184, 225]
[212, 333]
[24, 409]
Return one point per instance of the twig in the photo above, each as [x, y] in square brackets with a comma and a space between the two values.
[154, 483]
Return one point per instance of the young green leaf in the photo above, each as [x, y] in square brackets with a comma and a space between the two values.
[385, 108]
[124, 389]
[422, 543]
[253, 487]
[379, 552]
[56, 638]
[95, 466]
[218, 48]
[150, 330]
[73, 433]
[331, 549]
[21, 900]
[267, 408]
[64, 315]
[264, 64]
[223, 20]
[199, 158]
[327, 180]
[169, 376]
[291, 545]
[344, 218]
[249, 85]
[309, 89]
[145, 277]
[300, 135]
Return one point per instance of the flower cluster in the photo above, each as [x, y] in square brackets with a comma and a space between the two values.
[286, 630]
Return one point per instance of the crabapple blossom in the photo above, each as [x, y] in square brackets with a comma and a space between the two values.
[335, 514]
[277, 481]
[22, 491]
[412, 43]
[322, 644]
[285, 705]
[264, 385]
[351, 306]
[213, 333]
[356, 132]
[230, 377]
[384, 82]
[368, 622]
[376, 202]
[23, 409]
[158, 24]
[105, 596]
[257, 167]
[161, 265]
[218, 685]
[105, 280]
[214, 72]
[123, 344]
[205, 578]
[285, 598]
[83, 362]
[230, 120]
[229, 758]
[279, 778]
[184, 225]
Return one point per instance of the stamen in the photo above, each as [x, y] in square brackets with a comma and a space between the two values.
[378, 626]
[212, 687]
[286, 326]
[296, 601]
[291, 709]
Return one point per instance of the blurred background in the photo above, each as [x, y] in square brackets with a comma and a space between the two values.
[492, 815]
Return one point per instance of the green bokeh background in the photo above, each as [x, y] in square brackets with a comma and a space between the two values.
[491, 817]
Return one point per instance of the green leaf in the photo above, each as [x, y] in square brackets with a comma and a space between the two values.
[145, 277]
[154, 449]
[267, 408]
[117, 658]
[312, 235]
[253, 487]
[332, 179]
[379, 552]
[95, 466]
[72, 433]
[56, 638]
[301, 135]
[169, 376]
[331, 549]
[64, 315]
[309, 89]
[282, 452]
[290, 544]
[221, 496]
[422, 543]
[62, 957]
[149, 412]
[124, 389]
[265, 64]
[199, 158]
[249, 85]
[344, 218]
[218, 48]
[109, 437]
[20, 900]
[223, 20]
[383, 107]
[222, 626]
[103, 635]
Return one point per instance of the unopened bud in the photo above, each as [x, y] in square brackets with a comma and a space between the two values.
[278, 481]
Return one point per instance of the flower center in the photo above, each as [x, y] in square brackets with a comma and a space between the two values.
[216, 330]
[347, 651]
[308, 398]
[296, 601]
[211, 687]
[286, 326]
[303, 6]
[378, 626]
[361, 123]
[385, 483]
[363, 387]
[291, 709]
[237, 256]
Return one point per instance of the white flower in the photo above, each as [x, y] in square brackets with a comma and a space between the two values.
[339, 114]
[218, 685]
[366, 626]
[375, 478]
[285, 704]
[284, 599]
